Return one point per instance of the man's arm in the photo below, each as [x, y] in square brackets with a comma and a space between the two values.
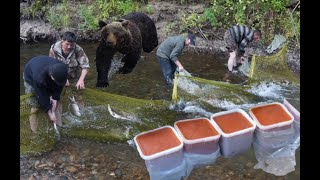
[83, 61]
[176, 51]
[80, 83]
[179, 65]
[243, 45]
[51, 53]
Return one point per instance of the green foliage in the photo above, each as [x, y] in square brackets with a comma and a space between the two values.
[210, 14]
[90, 20]
[59, 16]
[270, 16]
[103, 8]
[292, 26]
[35, 10]
[278, 5]
[191, 22]
[148, 9]
[114, 8]
[239, 14]
[170, 27]
[86, 16]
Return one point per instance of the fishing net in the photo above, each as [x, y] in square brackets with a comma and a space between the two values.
[271, 68]
[104, 117]
[270, 79]
[43, 139]
[212, 96]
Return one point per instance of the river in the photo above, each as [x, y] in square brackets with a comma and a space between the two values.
[74, 158]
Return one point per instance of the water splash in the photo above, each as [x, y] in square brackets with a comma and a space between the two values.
[268, 90]
[228, 105]
[116, 64]
[194, 108]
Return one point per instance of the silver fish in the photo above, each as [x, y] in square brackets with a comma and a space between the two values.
[57, 131]
[113, 114]
[73, 107]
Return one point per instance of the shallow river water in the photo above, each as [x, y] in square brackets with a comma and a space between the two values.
[85, 159]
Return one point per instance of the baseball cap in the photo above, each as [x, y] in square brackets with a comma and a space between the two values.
[192, 39]
[59, 72]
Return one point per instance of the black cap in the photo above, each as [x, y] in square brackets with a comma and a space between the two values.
[192, 39]
[59, 72]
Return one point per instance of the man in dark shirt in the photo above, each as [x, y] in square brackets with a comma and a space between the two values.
[168, 53]
[44, 77]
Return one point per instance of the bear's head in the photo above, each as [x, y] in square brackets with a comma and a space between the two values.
[116, 33]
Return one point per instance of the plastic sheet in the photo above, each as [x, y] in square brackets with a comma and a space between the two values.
[277, 43]
[276, 138]
[172, 174]
[200, 160]
[244, 68]
[278, 158]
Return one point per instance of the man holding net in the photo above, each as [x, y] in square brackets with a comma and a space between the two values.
[168, 52]
[237, 38]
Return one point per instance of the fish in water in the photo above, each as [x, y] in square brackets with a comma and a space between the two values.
[57, 131]
[73, 107]
[115, 115]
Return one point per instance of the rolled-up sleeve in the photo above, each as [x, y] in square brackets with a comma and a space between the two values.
[83, 59]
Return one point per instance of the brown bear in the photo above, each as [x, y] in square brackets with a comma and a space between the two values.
[128, 36]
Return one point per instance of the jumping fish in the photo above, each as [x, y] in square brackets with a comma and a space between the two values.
[113, 114]
[73, 107]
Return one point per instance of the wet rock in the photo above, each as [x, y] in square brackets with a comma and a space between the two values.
[64, 177]
[36, 164]
[35, 30]
[72, 158]
[71, 168]
[250, 164]
[32, 178]
[101, 178]
[118, 173]
[112, 174]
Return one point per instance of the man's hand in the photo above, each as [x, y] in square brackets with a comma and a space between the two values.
[183, 72]
[67, 83]
[243, 58]
[53, 103]
[52, 116]
[80, 84]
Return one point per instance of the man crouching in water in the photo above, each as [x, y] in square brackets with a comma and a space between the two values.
[45, 77]
[237, 38]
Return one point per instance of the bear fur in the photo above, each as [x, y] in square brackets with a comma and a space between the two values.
[129, 36]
